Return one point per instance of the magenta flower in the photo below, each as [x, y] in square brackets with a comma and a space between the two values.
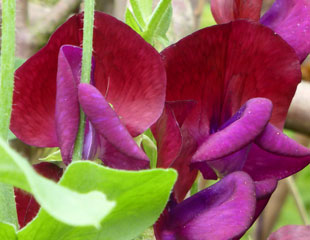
[126, 98]
[228, 91]
[288, 18]
[218, 111]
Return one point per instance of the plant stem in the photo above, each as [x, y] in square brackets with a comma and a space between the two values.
[86, 70]
[7, 199]
[299, 203]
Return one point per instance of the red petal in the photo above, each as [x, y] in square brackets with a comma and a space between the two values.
[26, 206]
[168, 137]
[34, 96]
[223, 66]
[225, 11]
[129, 73]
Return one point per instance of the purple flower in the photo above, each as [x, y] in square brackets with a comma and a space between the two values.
[126, 95]
[288, 18]
[228, 91]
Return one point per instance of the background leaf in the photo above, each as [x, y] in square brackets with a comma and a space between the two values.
[140, 198]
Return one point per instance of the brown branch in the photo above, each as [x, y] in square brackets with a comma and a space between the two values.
[298, 118]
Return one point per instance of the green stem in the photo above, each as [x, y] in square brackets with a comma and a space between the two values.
[7, 198]
[7, 65]
[86, 70]
[299, 203]
[158, 13]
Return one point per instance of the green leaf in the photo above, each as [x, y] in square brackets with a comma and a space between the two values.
[140, 198]
[159, 21]
[142, 10]
[164, 23]
[7, 231]
[62, 203]
[150, 147]
[53, 157]
[132, 22]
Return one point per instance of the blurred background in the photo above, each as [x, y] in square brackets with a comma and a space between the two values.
[38, 19]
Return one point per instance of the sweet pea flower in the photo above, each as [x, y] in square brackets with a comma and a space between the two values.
[228, 92]
[288, 18]
[125, 97]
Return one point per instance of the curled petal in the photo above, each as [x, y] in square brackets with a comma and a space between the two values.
[238, 132]
[129, 73]
[67, 111]
[274, 155]
[223, 66]
[225, 11]
[108, 125]
[33, 115]
[290, 19]
[222, 211]
[291, 232]
[181, 110]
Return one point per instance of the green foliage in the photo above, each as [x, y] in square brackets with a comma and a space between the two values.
[207, 19]
[7, 231]
[55, 156]
[140, 198]
[152, 26]
[62, 203]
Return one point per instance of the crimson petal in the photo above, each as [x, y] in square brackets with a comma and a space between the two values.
[168, 137]
[274, 155]
[130, 73]
[225, 11]
[108, 124]
[33, 114]
[26, 206]
[222, 211]
[223, 66]
[290, 19]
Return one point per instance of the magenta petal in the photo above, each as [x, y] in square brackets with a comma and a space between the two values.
[67, 112]
[225, 11]
[275, 156]
[247, 124]
[222, 211]
[263, 190]
[291, 232]
[108, 125]
[168, 137]
[33, 115]
[290, 19]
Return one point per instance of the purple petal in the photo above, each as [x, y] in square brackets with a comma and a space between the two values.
[263, 190]
[108, 124]
[67, 111]
[244, 127]
[274, 155]
[222, 211]
[290, 19]
[291, 232]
